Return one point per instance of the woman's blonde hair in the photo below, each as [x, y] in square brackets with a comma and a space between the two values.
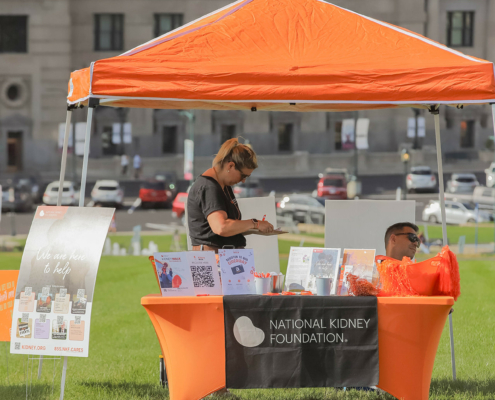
[241, 155]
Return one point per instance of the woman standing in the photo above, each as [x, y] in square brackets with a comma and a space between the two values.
[213, 216]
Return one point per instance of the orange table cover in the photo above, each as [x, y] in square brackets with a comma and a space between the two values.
[192, 338]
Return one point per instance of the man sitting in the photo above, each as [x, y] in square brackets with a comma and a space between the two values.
[401, 240]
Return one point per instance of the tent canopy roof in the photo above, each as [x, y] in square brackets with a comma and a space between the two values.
[286, 55]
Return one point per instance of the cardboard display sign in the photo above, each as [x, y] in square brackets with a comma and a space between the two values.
[54, 295]
[300, 341]
[174, 274]
[237, 269]
[8, 282]
[358, 262]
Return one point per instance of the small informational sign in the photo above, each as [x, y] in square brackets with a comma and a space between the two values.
[348, 129]
[57, 279]
[237, 269]
[359, 262]
[188, 159]
[411, 127]
[362, 128]
[204, 271]
[174, 274]
[8, 282]
[298, 268]
[325, 263]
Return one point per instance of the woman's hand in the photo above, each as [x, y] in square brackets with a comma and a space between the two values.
[265, 226]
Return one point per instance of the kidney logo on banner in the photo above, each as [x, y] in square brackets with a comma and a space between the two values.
[54, 296]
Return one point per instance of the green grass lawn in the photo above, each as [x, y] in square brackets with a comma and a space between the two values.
[123, 356]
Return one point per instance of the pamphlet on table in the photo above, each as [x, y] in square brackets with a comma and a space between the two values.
[237, 270]
[174, 274]
[358, 262]
[205, 274]
[54, 294]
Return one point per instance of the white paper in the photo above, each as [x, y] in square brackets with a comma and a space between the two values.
[204, 271]
[237, 269]
[174, 274]
[298, 268]
[324, 263]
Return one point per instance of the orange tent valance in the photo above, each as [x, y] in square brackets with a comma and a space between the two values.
[288, 55]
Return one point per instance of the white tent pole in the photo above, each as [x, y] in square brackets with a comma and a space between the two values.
[64, 159]
[436, 116]
[86, 157]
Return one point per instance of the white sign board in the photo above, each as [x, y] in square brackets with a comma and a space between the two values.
[265, 247]
[361, 224]
[54, 296]
[411, 127]
[237, 268]
[362, 127]
[174, 274]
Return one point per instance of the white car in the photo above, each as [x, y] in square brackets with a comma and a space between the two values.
[490, 175]
[421, 178]
[70, 194]
[462, 183]
[455, 213]
[107, 192]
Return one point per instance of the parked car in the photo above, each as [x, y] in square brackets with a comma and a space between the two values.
[462, 183]
[250, 188]
[297, 206]
[70, 194]
[34, 184]
[455, 213]
[332, 187]
[490, 175]
[179, 206]
[170, 179]
[108, 193]
[16, 197]
[484, 196]
[154, 193]
[421, 179]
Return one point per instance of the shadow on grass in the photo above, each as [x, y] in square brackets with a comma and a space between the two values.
[472, 387]
[36, 391]
[138, 390]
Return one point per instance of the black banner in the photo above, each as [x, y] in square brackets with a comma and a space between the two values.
[300, 341]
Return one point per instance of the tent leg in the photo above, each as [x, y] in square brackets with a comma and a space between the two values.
[86, 157]
[64, 160]
[436, 116]
[493, 119]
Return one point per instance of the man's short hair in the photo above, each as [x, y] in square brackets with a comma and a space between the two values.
[396, 228]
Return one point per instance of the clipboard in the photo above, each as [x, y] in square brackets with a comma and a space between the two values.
[276, 232]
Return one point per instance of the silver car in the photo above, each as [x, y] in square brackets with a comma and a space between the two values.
[462, 183]
[301, 208]
[455, 213]
[421, 179]
[490, 175]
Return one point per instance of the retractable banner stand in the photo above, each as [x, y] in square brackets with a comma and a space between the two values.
[54, 296]
[300, 341]
[8, 281]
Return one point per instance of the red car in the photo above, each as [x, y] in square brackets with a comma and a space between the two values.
[154, 193]
[179, 205]
[332, 187]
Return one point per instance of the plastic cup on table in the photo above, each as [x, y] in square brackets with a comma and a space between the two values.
[263, 285]
[323, 286]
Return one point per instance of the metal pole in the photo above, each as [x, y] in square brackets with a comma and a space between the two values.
[62, 383]
[493, 119]
[86, 157]
[64, 163]
[416, 131]
[436, 116]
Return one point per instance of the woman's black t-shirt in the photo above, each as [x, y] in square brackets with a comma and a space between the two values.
[206, 196]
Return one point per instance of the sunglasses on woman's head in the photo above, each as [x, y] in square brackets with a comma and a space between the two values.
[411, 236]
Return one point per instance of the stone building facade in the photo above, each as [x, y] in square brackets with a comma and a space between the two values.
[42, 41]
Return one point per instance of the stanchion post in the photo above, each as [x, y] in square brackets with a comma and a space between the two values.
[436, 115]
[92, 104]
[62, 383]
[64, 156]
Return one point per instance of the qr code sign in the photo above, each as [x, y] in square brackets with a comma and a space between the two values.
[60, 319]
[80, 293]
[25, 317]
[17, 346]
[62, 292]
[78, 321]
[28, 291]
[42, 318]
[203, 276]
[45, 291]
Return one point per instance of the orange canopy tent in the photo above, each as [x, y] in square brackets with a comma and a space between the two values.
[271, 53]
[284, 55]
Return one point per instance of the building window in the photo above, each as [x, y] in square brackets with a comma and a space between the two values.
[109, 32]
[13, 34]
[467, 134]
[460, 28]
[167, 22]
[285, 137]
[227, 132]
[169, 142]
[108, 147]
[338, 135]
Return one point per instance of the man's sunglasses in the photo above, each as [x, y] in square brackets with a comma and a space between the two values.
[411, 236]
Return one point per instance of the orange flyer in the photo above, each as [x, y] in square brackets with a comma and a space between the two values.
[8, 283]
